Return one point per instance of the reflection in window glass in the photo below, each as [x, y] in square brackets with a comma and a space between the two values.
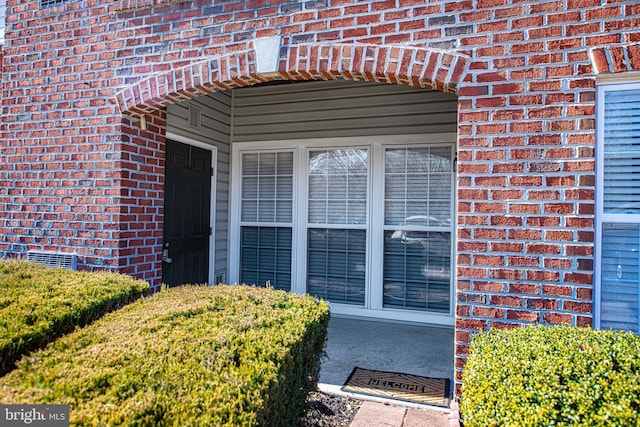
[418, 186]
[338, 186]
[417, 270]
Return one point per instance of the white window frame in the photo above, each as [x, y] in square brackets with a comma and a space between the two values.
[236, 222]
[601, 217]
[375, 204]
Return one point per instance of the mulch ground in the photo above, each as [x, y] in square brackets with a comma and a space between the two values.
[330, 411]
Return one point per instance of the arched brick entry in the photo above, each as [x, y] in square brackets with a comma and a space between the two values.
[412, 66]
[428, 68]
[143, 142]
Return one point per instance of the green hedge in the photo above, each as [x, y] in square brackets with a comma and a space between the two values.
[39, 304]
[552, 376]
[222, 355]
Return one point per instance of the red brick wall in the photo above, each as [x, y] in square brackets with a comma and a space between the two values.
[78, 175]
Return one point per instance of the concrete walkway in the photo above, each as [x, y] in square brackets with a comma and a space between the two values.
[375, 414]
[410, 349]
[382, 346]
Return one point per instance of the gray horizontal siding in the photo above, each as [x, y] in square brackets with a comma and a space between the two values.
[339, 109]
[215, 129]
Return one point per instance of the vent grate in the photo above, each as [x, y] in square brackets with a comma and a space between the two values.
[51, 3]
[194, 117]
[53, 260]
[220, 277]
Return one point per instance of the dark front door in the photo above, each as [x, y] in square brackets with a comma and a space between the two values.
[187, 209]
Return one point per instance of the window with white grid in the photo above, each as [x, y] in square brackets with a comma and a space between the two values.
[363, 223]
[267, 187]
[266, 215]
[337, 236]
[618, 207]
[417, 236]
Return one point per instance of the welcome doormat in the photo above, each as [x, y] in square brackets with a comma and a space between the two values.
[391, 385]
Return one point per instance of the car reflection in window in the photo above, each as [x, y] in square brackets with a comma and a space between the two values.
[433, 247]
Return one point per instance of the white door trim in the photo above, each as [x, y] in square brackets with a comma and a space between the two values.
[212, 215]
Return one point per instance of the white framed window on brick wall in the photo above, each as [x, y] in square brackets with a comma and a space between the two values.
[364, 223]
[617, 292]
[3, 14]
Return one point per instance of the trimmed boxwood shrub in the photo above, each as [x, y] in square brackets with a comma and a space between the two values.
[38, 304]
[552, 376]
[222, 355]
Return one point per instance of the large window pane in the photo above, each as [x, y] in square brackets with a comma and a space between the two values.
[417, 257]
[418, 186]
[417, 270]
[267, 187]
[338, 186]
[265, 257]
[622, 152]
[620, 276]
[337, 265]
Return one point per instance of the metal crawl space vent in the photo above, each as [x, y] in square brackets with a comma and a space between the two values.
[53, 260]
[51, 3]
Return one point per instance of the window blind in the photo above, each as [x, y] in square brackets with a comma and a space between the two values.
[622, 152]
[337, 197]
[267, 187]
[338, 186]
[265, 257]
[3, 14]
[417, 256]
[620, 219]
[418, 186]
[337, 265]
[267, 197]
[51, 3]
[620, 276]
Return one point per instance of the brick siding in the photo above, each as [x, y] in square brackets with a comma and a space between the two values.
[77, 173]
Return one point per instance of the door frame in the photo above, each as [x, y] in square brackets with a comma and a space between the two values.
[212, 215]
[301, 148]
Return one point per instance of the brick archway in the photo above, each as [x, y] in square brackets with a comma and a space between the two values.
[402, 65]
[420, 67]
[615, 58]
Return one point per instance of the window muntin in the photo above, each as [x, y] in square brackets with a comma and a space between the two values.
[267, 187]
[618, 208]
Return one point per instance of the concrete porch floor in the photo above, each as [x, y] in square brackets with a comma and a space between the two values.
[394, 347]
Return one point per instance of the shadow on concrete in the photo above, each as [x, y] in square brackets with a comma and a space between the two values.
[408, 349]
